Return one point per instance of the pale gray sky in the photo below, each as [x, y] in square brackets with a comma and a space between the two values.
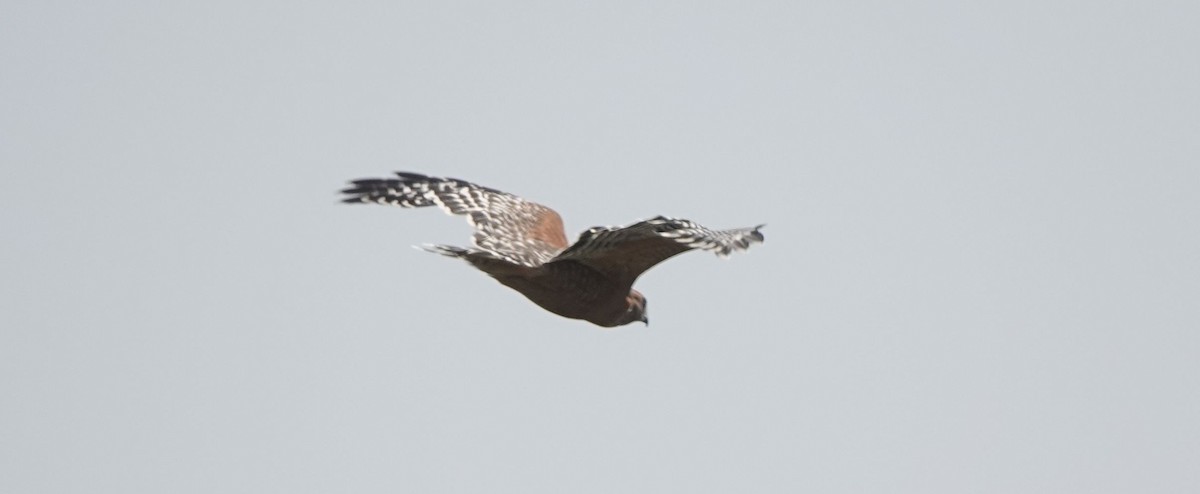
[980, 273]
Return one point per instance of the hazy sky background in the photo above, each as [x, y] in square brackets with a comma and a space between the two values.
[981, 271]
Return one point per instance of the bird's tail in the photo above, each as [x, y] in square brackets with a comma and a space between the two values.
[483, 260]
[445, 250]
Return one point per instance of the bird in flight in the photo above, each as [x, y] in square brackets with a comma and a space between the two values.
[522, 245]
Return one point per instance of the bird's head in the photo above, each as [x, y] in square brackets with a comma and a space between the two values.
[635, 310]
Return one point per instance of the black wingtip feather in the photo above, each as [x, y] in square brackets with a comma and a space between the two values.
[409, 176]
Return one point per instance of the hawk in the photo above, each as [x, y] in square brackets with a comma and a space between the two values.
[522, 245]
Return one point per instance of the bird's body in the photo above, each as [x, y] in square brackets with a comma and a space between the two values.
[522, 245]
[571, 290]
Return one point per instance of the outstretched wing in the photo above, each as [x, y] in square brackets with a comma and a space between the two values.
[626, 252]
[507, 226]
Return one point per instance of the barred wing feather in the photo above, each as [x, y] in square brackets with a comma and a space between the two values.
[627, 252]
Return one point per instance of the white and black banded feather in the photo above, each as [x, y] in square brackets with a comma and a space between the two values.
[685, 232]
[693, 235]
[506, 226]
[630, 250]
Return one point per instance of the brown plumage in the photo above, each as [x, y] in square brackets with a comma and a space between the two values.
[522, 245]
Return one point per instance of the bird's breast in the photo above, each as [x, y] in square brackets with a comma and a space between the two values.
[570, 289]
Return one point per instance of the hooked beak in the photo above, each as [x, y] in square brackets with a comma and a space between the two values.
[646, 321]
